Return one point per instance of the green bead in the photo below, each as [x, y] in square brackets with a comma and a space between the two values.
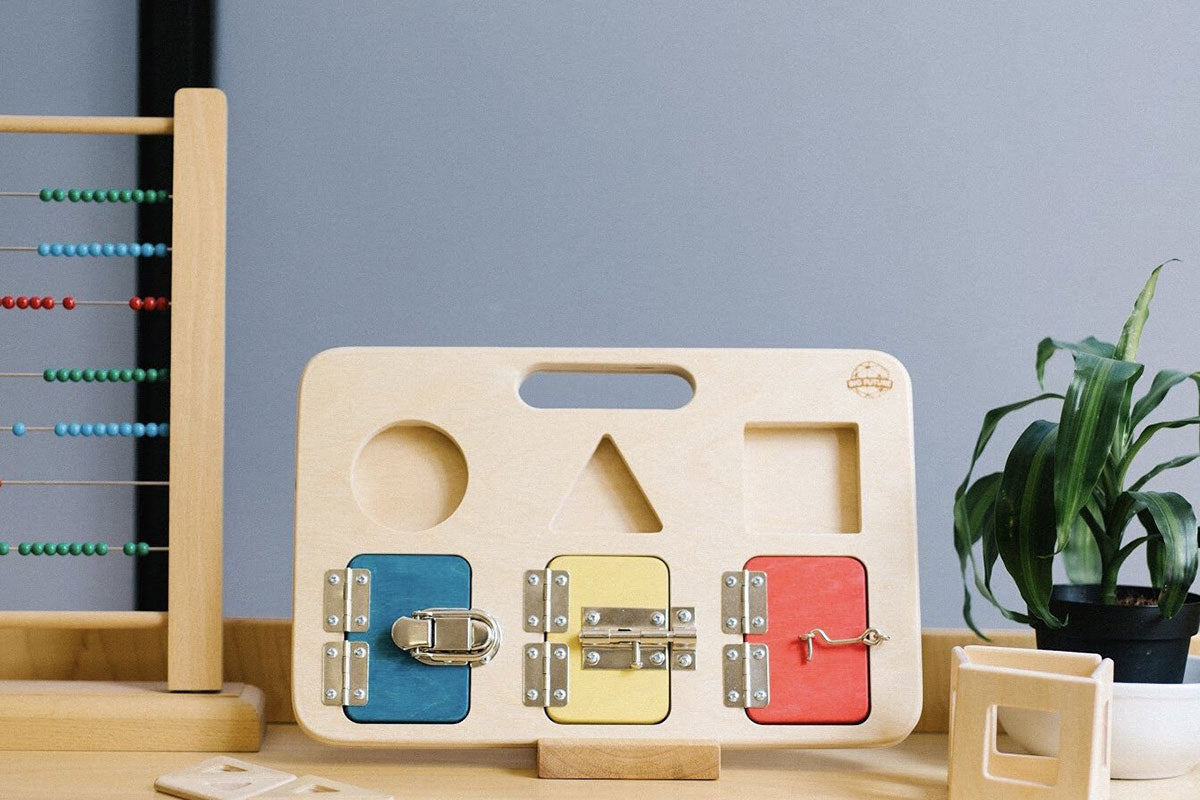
[143, 549]
[126, 195]
[138, 195]
[139, 375]
[36, 548]
[113, 195]
[63, 549]
[89, 549]
[99, 196]
[23, 548]
[89, 375]
[130, 548]
[76, 375]
[3, 548]
[49, 549]
[101, 548]
[126, 375]
[49, 375]
[101, 375]
[114, 376]
[76, 548]
[151, 375]
[73, 195]
[46, 195]
[151, 196]
[163, 195]
[64, 375]
[87, 195]
[163, 374]
[60, 195]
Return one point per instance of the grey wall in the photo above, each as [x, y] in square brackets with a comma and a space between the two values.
[66, 58]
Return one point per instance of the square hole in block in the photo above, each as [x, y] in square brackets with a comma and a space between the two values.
[1035, 762]
[802, 478]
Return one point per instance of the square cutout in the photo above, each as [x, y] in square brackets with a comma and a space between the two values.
[801, 478]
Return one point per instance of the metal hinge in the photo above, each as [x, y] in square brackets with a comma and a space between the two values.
[546, 600]
[747, 674]
[545, 675]
[744, 601]
[347, 605]
[345, 673]
[638, 638]
[448, 636]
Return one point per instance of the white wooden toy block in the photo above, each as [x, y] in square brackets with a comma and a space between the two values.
[1075, 686]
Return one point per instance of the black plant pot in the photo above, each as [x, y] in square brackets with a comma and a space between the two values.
[1144, 647]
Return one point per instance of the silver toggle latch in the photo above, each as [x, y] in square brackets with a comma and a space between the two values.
[870, 638]
[638, 638]
[346, 605]
[744, 601]
[448, 636]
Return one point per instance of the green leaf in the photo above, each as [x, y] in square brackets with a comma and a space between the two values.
[1145, 436]
[1025, 529]
[1081, 556]
[1177, 461]
[1090, 416]
[1170, 523]
[1048, 347]
[1131, 334]
[1163, 382]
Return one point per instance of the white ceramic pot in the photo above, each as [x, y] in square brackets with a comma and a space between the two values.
[1155, 727]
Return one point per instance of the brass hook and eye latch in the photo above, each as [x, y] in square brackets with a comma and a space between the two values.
[448, 637]
[870, 638]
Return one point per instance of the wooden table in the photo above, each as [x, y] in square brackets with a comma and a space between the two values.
[914, 769]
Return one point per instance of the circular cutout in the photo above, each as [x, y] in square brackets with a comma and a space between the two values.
[409, 477]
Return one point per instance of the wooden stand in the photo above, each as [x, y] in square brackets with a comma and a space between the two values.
[194, 709]
[623, 759]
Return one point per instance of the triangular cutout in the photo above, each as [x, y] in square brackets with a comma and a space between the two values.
[606, 497]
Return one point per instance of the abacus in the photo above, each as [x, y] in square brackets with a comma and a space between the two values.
[114, 715]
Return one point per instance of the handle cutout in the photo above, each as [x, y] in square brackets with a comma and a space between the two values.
[607, 387]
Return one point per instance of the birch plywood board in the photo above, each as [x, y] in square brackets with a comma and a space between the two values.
[778, 453]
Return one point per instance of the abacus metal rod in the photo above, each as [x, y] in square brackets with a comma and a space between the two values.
[7, 482]
[20, 194]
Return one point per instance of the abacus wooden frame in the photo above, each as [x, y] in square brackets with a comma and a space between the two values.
[194, 622]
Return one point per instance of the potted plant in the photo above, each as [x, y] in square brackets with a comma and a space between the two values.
[1069, 488]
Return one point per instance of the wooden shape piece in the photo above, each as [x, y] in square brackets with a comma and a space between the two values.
[222, 778]
[625, 759]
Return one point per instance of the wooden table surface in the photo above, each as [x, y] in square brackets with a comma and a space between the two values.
[914, 769]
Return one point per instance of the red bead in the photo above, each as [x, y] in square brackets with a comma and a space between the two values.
[68, 302]
[148, 303]
[135, 303]
[22, 302]
[35, 302]
[162, 304]
[7, 301]
[47, 302]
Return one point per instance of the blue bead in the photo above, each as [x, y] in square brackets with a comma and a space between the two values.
[18, 429]
[56, 249]
[162, 429]
[113, 429]
[68, 249]
[135, 249]
[160, 249]
[99, 429]
[126, 429]
[81, 250]
[85, 429]
[139, 430]
[108, 249]
[60, 429]
[43, 249]
[121, 249]
[73, 429]
[151, 429]
[147, 249]
[96, 249]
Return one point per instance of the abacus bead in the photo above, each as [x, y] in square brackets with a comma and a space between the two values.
[73, 195]
[113, 195]
[85, 429]
[7, 301]
[49, 376]
[22, 302]
[43, 249]
[101, 548]
[151, 429]
[73, 429]
[89, 375]
[160, 249]
[121, 249]
[114, 376]
[23, 548]
[96, 249]
[149, 303]
[151, 375]
[162, 304]
[130, 548]
[139, 430]
[139, 375]
[68, 249]
[99, 196]
[56, 249]
[18, 429]
[36, 548]
[135, 303]
[138, 195]
[126, 195]
[46, 195]
[60, 429]
[151, 196]
[101, 375]
[162, 429]
[49, 549]
[3, 548]
[87, 195]
[63, 375]
[76, 548]
[135, 249]
[68, 302]
[35, 302]
[60, 195]
[114, 429]
[126, 375]
[147, 249]
[163, 195]
[76, 375]
[47, 303]
[126, 429]
[99, 429]
[88, 548]
[63, 549]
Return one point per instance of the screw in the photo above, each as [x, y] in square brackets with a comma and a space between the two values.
[732, 654]
[533, 579]
[757, 580]
[532, 694]
[360, 652]
[360, 620]
[760, 695]
[657, 658]
[758, 622]
[658, 618]
[359, 694]
[592, 617]
[531, 621]
[560, 694]
[334, 580]
[331, 693]
[683, 615]
[331, 652]
[532, 653]
[592, 657]
[331, 620]
[733, 696]
[760, 653]
[731, 623]
[561, 580]
[560, 621]
[685, 660]
[730, 580]
[560, 653]
[361, 580]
